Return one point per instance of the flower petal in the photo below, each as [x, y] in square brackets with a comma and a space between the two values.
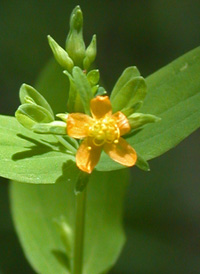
[88, 155]
[100, 106]
[121, 152]
[78, 125]
[122, 122]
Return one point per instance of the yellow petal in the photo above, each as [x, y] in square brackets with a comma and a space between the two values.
[100, 106]
[88, 155]
[122, 122]
[78, 125]
[121, 152]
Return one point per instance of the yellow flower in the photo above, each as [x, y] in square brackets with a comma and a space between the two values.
[101, 131]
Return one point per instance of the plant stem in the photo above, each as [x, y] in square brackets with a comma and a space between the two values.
[79, 232]
[68, 146]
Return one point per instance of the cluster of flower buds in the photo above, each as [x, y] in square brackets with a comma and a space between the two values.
[98, 120]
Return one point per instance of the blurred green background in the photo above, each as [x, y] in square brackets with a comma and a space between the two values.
[162, 207]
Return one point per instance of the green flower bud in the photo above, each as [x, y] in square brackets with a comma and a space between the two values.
[29, 100]
[137, 120]
[28, 94]
[93, 77]
[55, 127]
[142, 163]
[60, 55]
[95, 89]
[90, 53]
[75, 45]
[30, 114]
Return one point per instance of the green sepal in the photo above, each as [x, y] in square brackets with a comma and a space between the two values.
[62, 116]
[137, 120]
[60, 54]
[142, 163]
[94, 89]
[132, 92]
[74, 103]
[83, 88]
[29, 114]
[28, 94]
[93, 77]
[81, 182]
[75, 45]
[90, 53]
[55, 127]
[66, 234]
[128, 74]
[100, 91]
[130, 110]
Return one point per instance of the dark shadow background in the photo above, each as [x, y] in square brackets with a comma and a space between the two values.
[162, 216]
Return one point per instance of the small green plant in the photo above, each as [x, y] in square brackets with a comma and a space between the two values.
[68, 160]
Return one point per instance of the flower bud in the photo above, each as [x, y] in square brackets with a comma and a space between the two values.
[90, 53]
[60, 55]
[137, 120]
[55, 127]
[28, 94]
[30, 114]
[75, 45]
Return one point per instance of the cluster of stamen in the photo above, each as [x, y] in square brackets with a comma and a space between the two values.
[104, 130]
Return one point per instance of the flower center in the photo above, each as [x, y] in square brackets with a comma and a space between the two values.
[104, 130]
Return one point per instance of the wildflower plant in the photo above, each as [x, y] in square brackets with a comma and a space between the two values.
[71, 155]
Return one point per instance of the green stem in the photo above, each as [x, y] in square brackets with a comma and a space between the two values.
[68, 146]
[79, 232]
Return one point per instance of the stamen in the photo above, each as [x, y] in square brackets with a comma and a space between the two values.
[104, 130]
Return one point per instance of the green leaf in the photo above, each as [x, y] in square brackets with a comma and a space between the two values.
[56, 127]
[35, 209]
[29, 157]
[130, 110]
[28, 91]
[128, 74]
[83, 87]
[93, 77]
[173, 95]
[30, 114]
[131, 93]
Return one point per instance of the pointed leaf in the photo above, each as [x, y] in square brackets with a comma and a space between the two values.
[29, 157]
[173, 95]
[83, 87]
[30, 114]
[28, 91]
[131, 93]
[35, 207]
[128, 74]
